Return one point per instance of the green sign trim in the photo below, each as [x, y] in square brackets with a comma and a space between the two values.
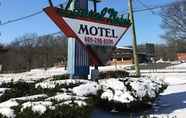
[107, 13]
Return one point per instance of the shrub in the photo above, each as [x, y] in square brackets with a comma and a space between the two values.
[1, 116]
[113, 74]
[18, 89]
[61, 77]
[63, 111]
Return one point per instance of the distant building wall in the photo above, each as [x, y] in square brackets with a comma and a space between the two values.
[1, 68]
[124, 55]
[181, 56]
[121, 61]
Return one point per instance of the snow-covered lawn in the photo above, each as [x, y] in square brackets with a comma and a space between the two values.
[70, 92]
[32, 76]
[172, 101]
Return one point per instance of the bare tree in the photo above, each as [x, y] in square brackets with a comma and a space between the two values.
[174, 25]
[32, 51]
[174, 21]
[27, 43]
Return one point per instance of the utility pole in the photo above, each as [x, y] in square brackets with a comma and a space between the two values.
[131, 16]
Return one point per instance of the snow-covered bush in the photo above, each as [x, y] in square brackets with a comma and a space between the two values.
[76, 97]
[129, 93]
[18, 89]
[63, 111]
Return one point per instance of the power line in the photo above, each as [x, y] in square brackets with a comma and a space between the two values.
[146, 8]
[28, 16]
[153, 12]
[52, 34]
[21, 18]
[123, 13]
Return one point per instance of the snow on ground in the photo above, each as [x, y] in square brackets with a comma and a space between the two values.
[64, 97]
[29, 98]
[115, 67]
[9, 103]
[179, 66]
[7, 112]
[89, 88]
[172, 101]
[33, 75]
[6, 107]
[40, 106]
[53, 84]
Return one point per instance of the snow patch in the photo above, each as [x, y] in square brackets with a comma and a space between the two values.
[65, 97]
[80, 103]
[112, 83]
[89, 88]
[8, 104]
[108, 94]
[115, 90]
[127, 90]
[39, 107]
[7, 112]
[5, 108]
[53, 84]
[32, 76]
[33, 97]
[2, 90]
[178, 66]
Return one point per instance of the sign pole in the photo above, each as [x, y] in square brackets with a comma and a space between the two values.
[71, 50]
[95, 10]
[50, 2]
[78, 58]
[134, 38]
[95, 6]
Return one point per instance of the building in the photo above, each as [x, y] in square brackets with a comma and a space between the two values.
[124, 55]
[2, 51]
[181, 56]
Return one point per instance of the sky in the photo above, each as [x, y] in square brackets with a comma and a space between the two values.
[148, 28]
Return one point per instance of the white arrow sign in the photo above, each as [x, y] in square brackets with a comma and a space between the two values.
[93, 33]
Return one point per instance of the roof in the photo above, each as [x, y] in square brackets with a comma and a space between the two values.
[126, 48]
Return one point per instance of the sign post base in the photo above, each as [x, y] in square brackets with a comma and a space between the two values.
[95, 74]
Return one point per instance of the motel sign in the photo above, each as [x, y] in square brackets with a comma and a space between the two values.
[96, 33]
